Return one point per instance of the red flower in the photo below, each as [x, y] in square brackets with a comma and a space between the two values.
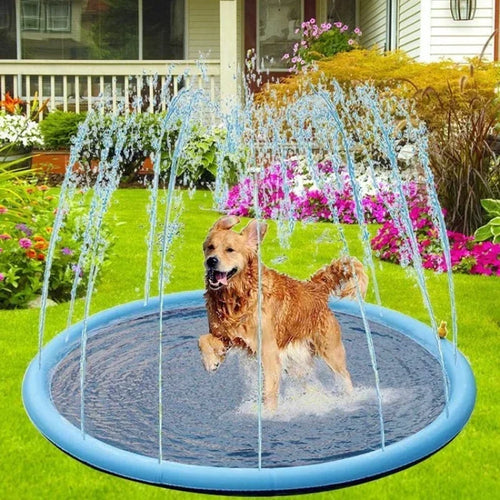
[11, 104]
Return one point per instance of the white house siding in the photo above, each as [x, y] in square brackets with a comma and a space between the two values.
[409, 27]
[372, 21]
[203, 29]
[457, 40]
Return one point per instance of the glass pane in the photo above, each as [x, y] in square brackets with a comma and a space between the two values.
[59, 16]
[7, 29]
[163, 27]
[31, 14]
[278, 20]
[76, 29]
[342, 10]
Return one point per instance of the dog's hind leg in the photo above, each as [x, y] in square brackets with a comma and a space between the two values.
[328, 345]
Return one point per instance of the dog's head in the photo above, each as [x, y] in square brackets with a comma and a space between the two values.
[227, 252]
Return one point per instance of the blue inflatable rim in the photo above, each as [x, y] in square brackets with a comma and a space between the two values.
[44, 415]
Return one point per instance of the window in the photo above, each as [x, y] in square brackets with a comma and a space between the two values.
[31, 11]
[53, 15]
[6, 9]
[58, 16]
[96, 29]
[278, 20]
[342, 10]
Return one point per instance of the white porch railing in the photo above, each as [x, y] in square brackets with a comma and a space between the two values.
[77, 85]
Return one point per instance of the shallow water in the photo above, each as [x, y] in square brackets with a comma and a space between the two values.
[211, 418]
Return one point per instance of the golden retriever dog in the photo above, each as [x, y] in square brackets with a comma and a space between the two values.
[296, 322]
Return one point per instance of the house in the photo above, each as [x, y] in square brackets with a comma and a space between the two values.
[72, 51]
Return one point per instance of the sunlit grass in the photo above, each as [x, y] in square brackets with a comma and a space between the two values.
[32, 468]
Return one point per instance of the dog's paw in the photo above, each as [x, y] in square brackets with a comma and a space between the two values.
[212, 352]
[211, 363]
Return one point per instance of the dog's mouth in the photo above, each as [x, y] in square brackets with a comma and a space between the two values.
[218, 279]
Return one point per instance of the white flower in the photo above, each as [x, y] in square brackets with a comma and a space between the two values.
[19, 130]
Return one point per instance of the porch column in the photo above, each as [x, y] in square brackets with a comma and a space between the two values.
[228, 52]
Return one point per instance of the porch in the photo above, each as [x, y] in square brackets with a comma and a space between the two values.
[78, 85]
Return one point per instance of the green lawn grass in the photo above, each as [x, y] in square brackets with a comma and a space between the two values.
[468, 468]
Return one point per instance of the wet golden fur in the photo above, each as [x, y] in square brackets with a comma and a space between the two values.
[295, 313]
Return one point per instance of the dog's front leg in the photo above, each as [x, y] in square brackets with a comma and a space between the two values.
[271, 366]
[213, 351]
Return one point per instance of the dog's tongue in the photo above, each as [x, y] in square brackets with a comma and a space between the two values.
[221, 277]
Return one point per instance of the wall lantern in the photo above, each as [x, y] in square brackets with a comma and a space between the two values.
[463, 10]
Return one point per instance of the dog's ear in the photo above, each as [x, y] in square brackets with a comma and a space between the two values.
[226, 222]
[254, 232]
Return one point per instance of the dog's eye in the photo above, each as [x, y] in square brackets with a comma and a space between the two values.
[210, 247]
[229, 249]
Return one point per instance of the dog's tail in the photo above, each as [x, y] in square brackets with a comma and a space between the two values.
[340, 277]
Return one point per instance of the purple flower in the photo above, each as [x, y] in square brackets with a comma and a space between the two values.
[77, 270]
[67, 251]
[2, 276]
[25, 229]
[25, 243]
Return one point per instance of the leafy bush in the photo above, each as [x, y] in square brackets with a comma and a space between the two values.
[24, 241]
[491, 230]
[393, 71]
[142, 131]
[58, 128]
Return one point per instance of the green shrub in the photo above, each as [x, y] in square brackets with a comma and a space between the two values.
[395, 72]
[197, 161]
[58, 128]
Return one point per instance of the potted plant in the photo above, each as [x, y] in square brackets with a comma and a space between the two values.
[19, 132]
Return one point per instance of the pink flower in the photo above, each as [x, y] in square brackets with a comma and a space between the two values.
[25, 243]
[2, 276]
[357, 31]
[286, 56]
[350, 41]
[338, 24]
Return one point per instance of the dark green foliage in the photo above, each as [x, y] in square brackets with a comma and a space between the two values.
[58, 127]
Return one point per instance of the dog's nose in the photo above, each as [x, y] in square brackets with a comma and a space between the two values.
[212, 262]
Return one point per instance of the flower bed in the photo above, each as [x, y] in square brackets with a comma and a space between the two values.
[25, 229]
[300, 198]
[467, 256]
